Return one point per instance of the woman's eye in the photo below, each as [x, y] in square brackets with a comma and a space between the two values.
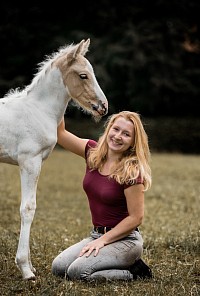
[83, 76]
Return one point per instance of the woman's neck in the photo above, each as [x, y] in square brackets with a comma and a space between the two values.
[110, 164]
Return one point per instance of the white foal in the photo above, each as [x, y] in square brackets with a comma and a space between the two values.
[29, 120]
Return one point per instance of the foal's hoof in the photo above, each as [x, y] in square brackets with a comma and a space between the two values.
[33, 278]
[29, 276]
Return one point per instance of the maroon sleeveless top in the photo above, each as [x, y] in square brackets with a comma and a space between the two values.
[105, 196]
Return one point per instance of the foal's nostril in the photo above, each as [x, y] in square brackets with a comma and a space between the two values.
[100, 108]
[94, 107]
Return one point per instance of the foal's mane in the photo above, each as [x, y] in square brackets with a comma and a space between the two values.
[42, 69]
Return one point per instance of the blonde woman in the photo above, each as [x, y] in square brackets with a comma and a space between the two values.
[117, 176]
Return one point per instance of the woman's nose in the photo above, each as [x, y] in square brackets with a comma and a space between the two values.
[118, 135]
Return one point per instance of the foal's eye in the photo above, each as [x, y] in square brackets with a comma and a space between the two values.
[83, 76]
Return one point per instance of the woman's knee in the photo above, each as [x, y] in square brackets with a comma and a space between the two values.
[73, 272]
[58, 268]
[54, 267]
[78, 271]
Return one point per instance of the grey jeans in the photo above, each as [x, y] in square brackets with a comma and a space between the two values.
[111, 263]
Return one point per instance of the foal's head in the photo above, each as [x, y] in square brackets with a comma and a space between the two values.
[80, 80]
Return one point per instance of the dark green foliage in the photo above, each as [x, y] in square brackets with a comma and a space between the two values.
[146, 55]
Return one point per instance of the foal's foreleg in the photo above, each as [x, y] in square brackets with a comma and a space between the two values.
[29, 172]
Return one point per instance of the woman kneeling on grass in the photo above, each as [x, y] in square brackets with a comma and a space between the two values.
[117, 174]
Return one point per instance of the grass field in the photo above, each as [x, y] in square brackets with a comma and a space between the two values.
[171, 228]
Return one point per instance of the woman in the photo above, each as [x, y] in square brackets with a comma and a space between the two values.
[117, 175]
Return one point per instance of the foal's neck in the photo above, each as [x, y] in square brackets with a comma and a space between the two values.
[49, 94]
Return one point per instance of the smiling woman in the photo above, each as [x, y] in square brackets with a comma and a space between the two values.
[117, 174]
[121, 135]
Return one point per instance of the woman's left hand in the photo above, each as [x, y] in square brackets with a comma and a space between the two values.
[95, 246]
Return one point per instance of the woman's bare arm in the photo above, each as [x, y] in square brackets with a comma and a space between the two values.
[69, 141]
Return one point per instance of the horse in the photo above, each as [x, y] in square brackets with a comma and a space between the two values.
[28, 126]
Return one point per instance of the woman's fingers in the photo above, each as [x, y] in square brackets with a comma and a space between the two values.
[88, 250]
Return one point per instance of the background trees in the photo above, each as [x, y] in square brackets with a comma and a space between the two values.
[145, 54]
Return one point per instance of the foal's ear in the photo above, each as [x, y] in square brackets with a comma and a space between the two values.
[85, 46]
[80, 48]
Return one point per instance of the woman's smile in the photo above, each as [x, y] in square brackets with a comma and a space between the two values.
[121, 135]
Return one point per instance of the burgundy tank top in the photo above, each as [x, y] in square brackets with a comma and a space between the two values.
[105, 196]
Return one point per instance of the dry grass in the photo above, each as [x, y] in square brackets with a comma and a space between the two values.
[170, 230]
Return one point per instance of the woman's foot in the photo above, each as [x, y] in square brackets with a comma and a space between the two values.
[140, 270]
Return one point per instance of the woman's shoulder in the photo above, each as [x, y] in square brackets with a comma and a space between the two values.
[90, 144]
[136, 181]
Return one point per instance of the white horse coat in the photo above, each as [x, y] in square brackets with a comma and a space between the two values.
[28, 126]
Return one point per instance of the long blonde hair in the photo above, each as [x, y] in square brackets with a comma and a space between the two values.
[135, 161]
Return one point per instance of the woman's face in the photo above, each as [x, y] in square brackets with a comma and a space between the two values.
[121, 135]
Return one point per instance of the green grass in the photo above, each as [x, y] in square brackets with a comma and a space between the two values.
[171, 228]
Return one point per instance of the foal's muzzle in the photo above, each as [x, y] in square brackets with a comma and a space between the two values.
[100, 108]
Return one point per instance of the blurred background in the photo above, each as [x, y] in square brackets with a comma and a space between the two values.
[145, 54]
